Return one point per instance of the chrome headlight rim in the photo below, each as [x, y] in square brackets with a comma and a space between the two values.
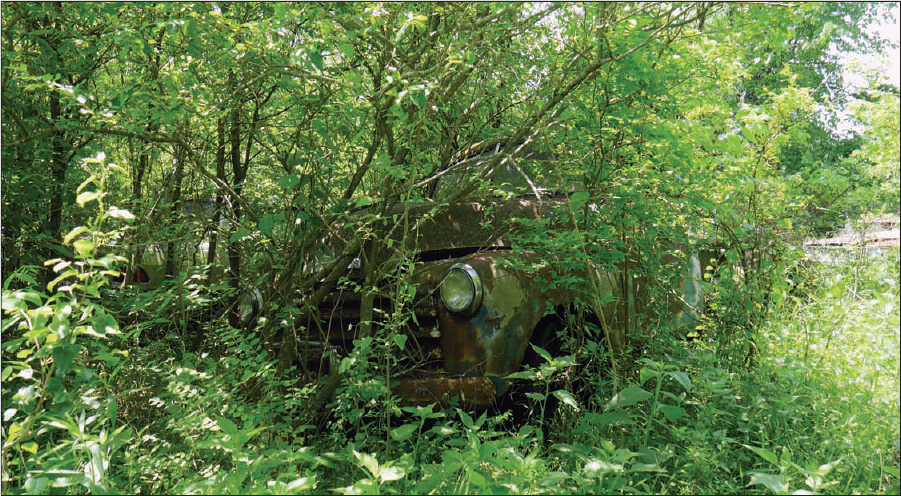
[475, 297]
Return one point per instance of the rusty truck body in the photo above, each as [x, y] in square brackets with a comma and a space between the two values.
[479, 302]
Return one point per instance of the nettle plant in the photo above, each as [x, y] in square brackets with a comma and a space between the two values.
[363, 401]
[59, 355]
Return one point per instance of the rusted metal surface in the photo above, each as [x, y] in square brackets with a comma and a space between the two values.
[476, 225]
[843, 249]
[466, 226]
[473, 392]
[468, 354]
[890, 237]
[493, 340]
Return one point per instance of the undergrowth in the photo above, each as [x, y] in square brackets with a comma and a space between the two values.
[817, 411]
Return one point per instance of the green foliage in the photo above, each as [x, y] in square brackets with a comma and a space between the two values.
[258, 130]
[816, 413]
[844, 337]
[61, 352]
[882, 147]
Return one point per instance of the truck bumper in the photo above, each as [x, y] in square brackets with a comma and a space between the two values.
[473, 392]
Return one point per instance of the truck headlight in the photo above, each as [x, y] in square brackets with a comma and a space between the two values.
[461, 289]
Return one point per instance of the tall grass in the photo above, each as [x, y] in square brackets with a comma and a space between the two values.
[818, 411]
[837, 352]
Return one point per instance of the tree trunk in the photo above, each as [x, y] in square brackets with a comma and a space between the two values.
[238, 174]
[171, 266]
[214, 230]
[220, 199]
[58, 165]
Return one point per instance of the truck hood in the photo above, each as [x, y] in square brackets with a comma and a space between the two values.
[470, 226]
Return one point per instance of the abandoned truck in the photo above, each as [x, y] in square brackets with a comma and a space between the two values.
[480, 299]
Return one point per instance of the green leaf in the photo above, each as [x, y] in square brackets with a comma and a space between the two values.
[775, 483]
[564, 361]
[227, 426]
[765, 454]
[86, 196]
[13, 301]
[465, 418]
[37, 485]
[363, 486]
[423, 411]
[25, 277]
[73, 233]
[113, 406]
[316, 59]
[541, 351]
[645, 374]
[547, 370]
[300, 485]
[400, 340]
[673, 413]
[85, 183]
[288, 182]
[368, 461]
[566, 397]
[118, 213]
[653, 455]
[554, 479]
[83, 247]
[579, 197]
[267, 224]
[524, 374]
[536, 396]
[608, 418]
[64, 275]
[63, 354]
[892, 471]
[477, 479]
[347, 49]
[392, 473]
[353, 77]
[824, 469]
[237, 236]
[683, 379]
[596, 467]
[646, 467]
[629, 396]
[403, 432]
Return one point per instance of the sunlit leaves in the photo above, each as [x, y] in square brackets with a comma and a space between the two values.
[629, 396]
[567, 398]
[119, 213]
[693, 126]
[883, 145]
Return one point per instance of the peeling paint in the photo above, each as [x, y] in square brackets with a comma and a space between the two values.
[466, 354]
